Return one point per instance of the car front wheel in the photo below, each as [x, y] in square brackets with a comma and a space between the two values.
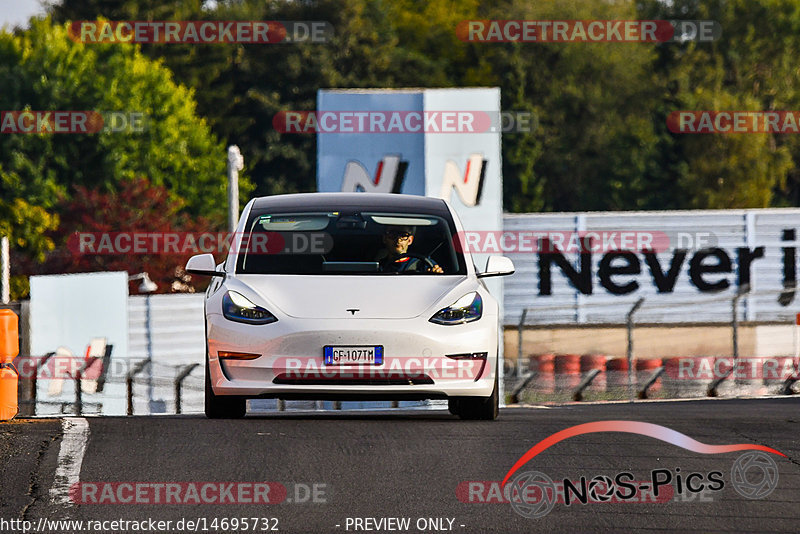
[222, 407]
[480, 408]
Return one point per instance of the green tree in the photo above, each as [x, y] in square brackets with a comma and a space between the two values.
[752, 67]
[43, 69]
[601, 142]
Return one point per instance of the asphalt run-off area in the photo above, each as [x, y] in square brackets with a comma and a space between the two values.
[400, 471]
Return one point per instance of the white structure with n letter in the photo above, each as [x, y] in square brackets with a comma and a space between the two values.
[463, 167]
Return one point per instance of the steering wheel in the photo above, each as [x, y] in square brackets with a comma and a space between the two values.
[429, 263]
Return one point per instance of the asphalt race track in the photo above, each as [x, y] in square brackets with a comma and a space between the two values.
[352, 472]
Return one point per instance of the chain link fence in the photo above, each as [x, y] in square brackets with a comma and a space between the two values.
[57, 385]
[667, 360]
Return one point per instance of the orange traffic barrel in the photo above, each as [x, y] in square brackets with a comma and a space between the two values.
[616, 373]
[590, 362]
[672, 366]
[568, 371]
[593, 361]
[690, 368]
[568, 364]
[649, 364]
[543, 365]
[644, 368]
[8, 392]
[617, 364]
[9, 348]
[9, 336]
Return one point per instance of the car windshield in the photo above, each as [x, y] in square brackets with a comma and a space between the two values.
[363, 243]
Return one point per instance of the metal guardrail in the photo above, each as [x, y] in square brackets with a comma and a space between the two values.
[138, 368]
[786, 388]
[629, 352]
[577, 395]
[642, 393]
[522, 383]
[179, 381]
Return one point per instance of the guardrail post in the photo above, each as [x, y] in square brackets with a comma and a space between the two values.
[786, 388]
[129, 382]
[78, 391]
[179, 381]
[642, 393]
[38, 364]
[711, 391]
[520, 326]
[743, 290]
[79, 385]
[629, 322]
[522, 383]
[577, 395]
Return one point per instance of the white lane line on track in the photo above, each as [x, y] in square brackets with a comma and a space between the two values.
[70, 458]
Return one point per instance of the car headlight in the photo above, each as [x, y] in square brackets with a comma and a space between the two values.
[465, 310]
[237, 307]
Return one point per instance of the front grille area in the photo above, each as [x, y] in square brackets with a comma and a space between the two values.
[318, 380]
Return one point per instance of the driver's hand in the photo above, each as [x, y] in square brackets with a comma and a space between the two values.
[436, 269]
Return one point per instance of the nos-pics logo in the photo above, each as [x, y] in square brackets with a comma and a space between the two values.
[391, 172]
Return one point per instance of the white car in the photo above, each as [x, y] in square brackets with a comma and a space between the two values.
[350, 296]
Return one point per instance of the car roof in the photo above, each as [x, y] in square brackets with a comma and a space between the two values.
[351, 202]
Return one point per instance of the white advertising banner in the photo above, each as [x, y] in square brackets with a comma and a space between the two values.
[590, 268]
[69, 310]
[442, 143]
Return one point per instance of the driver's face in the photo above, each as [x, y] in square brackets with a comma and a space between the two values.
[397, 241]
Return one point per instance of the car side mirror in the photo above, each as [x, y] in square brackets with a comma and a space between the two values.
[203, 264]
[497, 266]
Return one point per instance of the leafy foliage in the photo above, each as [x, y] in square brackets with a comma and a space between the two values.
[137, 207]
[43, 69]
[601, 142]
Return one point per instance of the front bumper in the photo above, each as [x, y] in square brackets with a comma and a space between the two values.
[415, 366]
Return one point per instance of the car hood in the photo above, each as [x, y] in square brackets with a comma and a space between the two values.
[331, 296]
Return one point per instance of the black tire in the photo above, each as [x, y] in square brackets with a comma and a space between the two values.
[223, 407]
[481, 408]
[453, 406]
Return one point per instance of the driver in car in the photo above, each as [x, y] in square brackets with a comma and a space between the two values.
[394, 257]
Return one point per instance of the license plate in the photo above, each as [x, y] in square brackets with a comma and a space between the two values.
[353, 355]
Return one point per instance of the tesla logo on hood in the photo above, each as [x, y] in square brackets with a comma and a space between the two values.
[353, 310]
